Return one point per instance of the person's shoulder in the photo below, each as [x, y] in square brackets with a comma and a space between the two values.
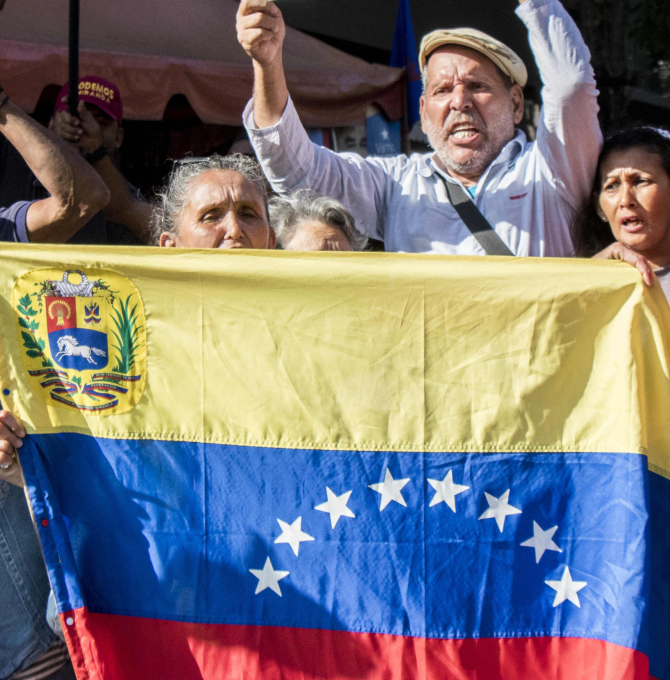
[11, 212]
[402, 164]
[15, 214]
[519, 148]
[13, 226]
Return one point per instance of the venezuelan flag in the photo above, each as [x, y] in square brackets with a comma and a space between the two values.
[379, 466]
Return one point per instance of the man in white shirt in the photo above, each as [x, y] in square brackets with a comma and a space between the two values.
[528, 191]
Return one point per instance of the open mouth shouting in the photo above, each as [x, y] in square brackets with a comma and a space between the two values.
[464, 133]
[631, 223]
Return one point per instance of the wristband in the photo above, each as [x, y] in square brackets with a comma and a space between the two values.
[96, 155]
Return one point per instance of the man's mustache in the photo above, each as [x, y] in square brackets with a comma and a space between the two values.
[453, 120]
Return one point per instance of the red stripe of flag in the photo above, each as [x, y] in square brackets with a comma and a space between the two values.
[110, 647]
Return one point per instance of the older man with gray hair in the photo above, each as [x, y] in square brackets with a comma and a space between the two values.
[486, 189]
[306, 220]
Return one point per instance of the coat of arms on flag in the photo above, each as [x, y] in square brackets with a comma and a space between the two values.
[83, 335]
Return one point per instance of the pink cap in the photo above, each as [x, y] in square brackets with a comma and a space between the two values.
[98, 91]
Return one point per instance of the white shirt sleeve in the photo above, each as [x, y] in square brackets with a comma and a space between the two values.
[291, 161]
[568, 136]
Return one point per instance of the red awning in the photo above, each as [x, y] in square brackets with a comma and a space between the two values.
[154, 49]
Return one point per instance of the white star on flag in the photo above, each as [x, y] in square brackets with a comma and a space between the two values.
[446, 490]
[499, 508]
[293, 534]
[268, 578]
[336, 506]
[390, 490]
[566, 589]
[541, 541]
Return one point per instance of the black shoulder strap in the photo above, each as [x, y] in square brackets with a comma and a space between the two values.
[487, 238]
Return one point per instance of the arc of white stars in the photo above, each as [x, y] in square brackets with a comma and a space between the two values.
[336, 506]
[293, 534]
[268, 578]
[446, 490]
[566, 589]
[499, 508]
[390, 490]
[541, 541]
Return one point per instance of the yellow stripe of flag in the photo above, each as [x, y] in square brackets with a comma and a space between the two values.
[368, 351]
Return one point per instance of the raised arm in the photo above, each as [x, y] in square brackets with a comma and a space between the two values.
[77, 192]
[261, 32]
[568, 137]
[289, 159]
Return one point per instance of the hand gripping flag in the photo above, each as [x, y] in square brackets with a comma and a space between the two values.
[344, 465]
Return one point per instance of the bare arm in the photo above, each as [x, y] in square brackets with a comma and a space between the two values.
[77, 192]
[123, 207]
[261, 32]
[568, 136]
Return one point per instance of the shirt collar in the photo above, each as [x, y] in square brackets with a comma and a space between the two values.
[428, 167]
[515, 146]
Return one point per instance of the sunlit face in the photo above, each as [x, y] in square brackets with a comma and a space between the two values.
[635, 200]
[224, 210]
[315, 235]
[467, 111]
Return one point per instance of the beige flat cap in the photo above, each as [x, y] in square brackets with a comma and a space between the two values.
[502, 56]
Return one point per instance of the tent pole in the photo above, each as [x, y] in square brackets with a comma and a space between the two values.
[73, 59]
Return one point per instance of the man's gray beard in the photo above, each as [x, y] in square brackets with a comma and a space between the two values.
[481, 158]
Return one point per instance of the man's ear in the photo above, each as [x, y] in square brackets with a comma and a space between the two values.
[517, 102]
[170, 240]
[119, 136]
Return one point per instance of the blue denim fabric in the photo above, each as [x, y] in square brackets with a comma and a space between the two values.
[24, 586]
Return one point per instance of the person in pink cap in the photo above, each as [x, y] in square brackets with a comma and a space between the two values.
[102, 100]
[98, 133]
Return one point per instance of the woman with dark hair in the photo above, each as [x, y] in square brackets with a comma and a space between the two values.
[628, 217]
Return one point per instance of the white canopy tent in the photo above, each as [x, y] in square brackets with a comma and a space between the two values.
[154, 49]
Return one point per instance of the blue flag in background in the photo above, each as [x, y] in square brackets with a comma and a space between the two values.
[404, 55]
[383, 136]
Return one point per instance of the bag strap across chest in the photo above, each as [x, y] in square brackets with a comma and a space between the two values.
[478, 225]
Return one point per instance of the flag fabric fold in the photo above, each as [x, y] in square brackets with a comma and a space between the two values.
[344, 465]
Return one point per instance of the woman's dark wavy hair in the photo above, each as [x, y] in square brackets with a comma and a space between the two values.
[590, 234]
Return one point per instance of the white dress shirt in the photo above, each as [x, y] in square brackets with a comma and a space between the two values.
[530, 193]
